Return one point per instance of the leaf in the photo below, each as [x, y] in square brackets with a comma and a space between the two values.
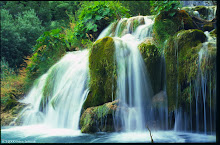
[95, 28]
[90, 26]
[172, 14]
[88, 16]
[107, 10]
[98, 17]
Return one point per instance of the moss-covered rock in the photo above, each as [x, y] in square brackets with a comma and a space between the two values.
[181, 54]
[102, 70]
[208, 27]
[203, 12]
[48, 87]
[213, 33]
[153, 60]
[99, 118]
[122, 29]
[10, 112]
[166, 25]
[208, 60]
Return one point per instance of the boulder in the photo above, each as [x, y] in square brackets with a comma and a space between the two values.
[155, 65]
[181, 55]
[102, 70]
[166, 25]
[99, 118]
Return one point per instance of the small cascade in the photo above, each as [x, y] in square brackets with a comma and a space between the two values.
[132, 83]
[181, 120]
[203, 12]
[106, 31]
[197, 3]
[196, 90]
[133, 88]
[210, 97]
[190, 107]
[56, 98]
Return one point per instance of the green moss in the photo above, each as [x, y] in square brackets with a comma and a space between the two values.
[152, 59]
[92, 118]
[48, 87]
[171, 74]
[208, 62]
[203, 11]
[213, 33]
[122, 28]
[166, 26]
[102, 73]
[10, 104]
[135, 24]
[208, 27]
[185, 46]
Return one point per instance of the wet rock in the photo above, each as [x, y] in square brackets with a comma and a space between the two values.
[181, 55]
[99, 118]
[154, 63]
[166, 25]
[102, 73]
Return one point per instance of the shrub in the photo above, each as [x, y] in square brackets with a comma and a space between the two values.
[18, 35]
[160, 6]
[93, 17]
[50, 47]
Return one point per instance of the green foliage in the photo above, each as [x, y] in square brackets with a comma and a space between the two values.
[40, 7]
[50, 47]
[18, 35]
[93, 17]
[61, 9]
[29, 26]
[5, 69]
[160, 6]
[137, 7]
[11, 83]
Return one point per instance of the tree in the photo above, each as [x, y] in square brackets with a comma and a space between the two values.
[137, 7]
[11, 41]
[18, 35]
[93, 17]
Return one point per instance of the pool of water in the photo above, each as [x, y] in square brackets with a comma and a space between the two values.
[44, 134]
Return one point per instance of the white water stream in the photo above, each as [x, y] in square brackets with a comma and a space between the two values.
[68, 80]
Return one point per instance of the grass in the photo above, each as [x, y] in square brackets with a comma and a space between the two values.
[11, 83]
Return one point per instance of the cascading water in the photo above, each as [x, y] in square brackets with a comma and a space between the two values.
[133, 85]
[196, 3]
[57, 97]
[202, 90]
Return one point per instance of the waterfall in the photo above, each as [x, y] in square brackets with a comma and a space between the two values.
[133, 85]
[208, 13]
[197, 3]
[57, 96]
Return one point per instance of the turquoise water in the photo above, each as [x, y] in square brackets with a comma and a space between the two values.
[43, 134]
